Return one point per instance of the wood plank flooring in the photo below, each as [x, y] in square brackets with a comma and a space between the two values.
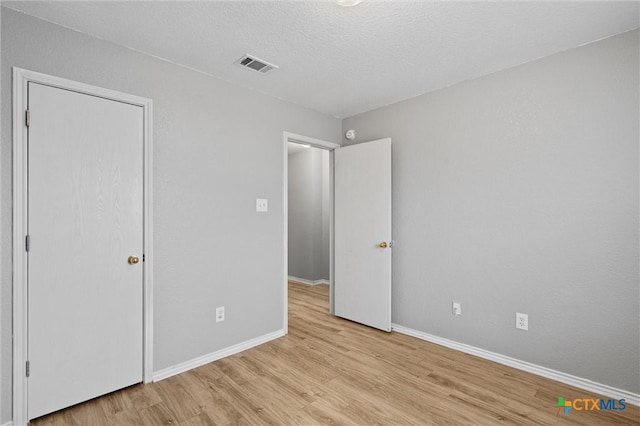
[331, 371]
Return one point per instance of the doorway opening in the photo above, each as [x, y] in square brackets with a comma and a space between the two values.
[308, 215]
[309, 211]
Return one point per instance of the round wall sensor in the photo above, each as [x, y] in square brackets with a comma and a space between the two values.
[350, 134]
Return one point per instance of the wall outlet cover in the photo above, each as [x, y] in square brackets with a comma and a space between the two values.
[220, 314]
[262, 205]
[522, 321]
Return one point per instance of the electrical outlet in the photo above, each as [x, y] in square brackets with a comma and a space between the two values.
[220, 314]
[456, 308]
[522, 321]
[262, 205]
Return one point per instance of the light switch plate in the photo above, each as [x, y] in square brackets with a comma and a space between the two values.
[262, 205]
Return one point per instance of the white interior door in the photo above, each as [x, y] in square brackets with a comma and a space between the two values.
[85, 218]
[363, 233]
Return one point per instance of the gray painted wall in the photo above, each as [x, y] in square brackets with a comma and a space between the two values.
[325, 265]
[5, 400]
[211, 247]
[518, 191]
[309, 214]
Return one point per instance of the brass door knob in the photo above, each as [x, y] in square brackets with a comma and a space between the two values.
[133, 260]
[383, 244]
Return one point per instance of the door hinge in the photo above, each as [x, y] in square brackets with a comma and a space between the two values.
[27, 243]
[27, 118]
[143, 257]
[28, 367]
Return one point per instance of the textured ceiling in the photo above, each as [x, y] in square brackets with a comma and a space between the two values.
[343, 61]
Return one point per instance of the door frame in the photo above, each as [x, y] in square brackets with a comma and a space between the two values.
[21, 78]
[327, 146]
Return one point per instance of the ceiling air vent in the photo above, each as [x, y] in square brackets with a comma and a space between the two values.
[255, 64]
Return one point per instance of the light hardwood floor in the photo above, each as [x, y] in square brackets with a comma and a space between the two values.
[332, 371]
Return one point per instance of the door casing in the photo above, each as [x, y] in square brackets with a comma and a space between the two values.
[327, 146]
[21, 77]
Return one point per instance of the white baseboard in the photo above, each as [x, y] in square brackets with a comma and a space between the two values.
[559, 376]
[307, 282]
[9, 423]
[205, 359]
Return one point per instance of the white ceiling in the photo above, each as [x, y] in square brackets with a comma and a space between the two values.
[344, 61]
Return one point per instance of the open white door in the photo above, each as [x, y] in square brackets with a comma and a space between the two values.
[363, 233]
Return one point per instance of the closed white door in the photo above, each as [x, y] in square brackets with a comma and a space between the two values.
[85, 213]
[363, 233]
